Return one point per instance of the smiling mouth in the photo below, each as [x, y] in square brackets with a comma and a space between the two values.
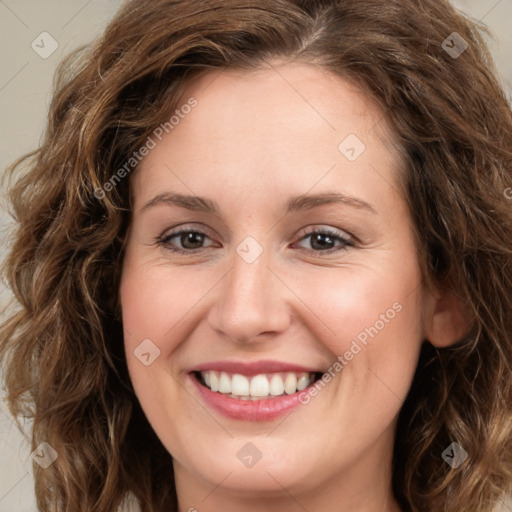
[256, 387]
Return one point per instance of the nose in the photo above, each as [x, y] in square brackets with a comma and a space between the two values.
[251, 302]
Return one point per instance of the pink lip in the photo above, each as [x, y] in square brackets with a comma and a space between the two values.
[252, 368]
[248, 410]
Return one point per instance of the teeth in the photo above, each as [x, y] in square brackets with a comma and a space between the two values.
[214, 381]
[224, 383]
[302, 383]
[290, 384]
[258, 386]
[276, 385]
[239, 385]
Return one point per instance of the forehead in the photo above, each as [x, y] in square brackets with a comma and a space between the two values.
[270, 126]
[278, 96]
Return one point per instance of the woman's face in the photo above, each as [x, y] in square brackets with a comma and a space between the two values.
[258, 304]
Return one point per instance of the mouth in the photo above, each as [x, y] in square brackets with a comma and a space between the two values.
[256, 397]
[256, 387]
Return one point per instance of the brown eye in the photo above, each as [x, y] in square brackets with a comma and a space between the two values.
[187, 240]
[325, 240]
[191, 239]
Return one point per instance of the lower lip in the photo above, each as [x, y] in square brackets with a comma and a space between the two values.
[248, 410]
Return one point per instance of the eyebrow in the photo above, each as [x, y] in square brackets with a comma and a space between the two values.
[294, 204]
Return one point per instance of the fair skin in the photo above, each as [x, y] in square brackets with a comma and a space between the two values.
[253, 141]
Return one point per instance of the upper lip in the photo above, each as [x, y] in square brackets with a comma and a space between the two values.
[253, 367]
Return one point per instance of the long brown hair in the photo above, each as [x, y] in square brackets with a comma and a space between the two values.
[62, 348]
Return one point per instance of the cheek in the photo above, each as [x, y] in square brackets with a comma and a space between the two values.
[370, 319]
[162, 305]
[154, 303]
[149, 311]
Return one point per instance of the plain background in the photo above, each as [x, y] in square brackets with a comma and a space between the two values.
[25, 92]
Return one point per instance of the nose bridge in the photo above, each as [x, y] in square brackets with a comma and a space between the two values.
[251, 302]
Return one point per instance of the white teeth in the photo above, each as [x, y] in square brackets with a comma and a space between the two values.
[276, 385]
[259, 386]
[239, 385]
[290, 384]
[214, 381]
[303, 382]
[224, 383]
[256, 387]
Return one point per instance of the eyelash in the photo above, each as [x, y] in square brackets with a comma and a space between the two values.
[345, 241]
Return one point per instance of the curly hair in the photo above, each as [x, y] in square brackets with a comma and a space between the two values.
[62, 347]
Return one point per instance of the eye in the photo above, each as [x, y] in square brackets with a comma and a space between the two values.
[190, 240]
[327, 240]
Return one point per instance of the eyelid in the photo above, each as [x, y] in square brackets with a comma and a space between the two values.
[321, 228]
[185, 227]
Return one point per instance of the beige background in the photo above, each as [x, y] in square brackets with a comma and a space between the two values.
[25, 88]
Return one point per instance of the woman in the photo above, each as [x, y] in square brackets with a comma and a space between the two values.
[262, 263]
